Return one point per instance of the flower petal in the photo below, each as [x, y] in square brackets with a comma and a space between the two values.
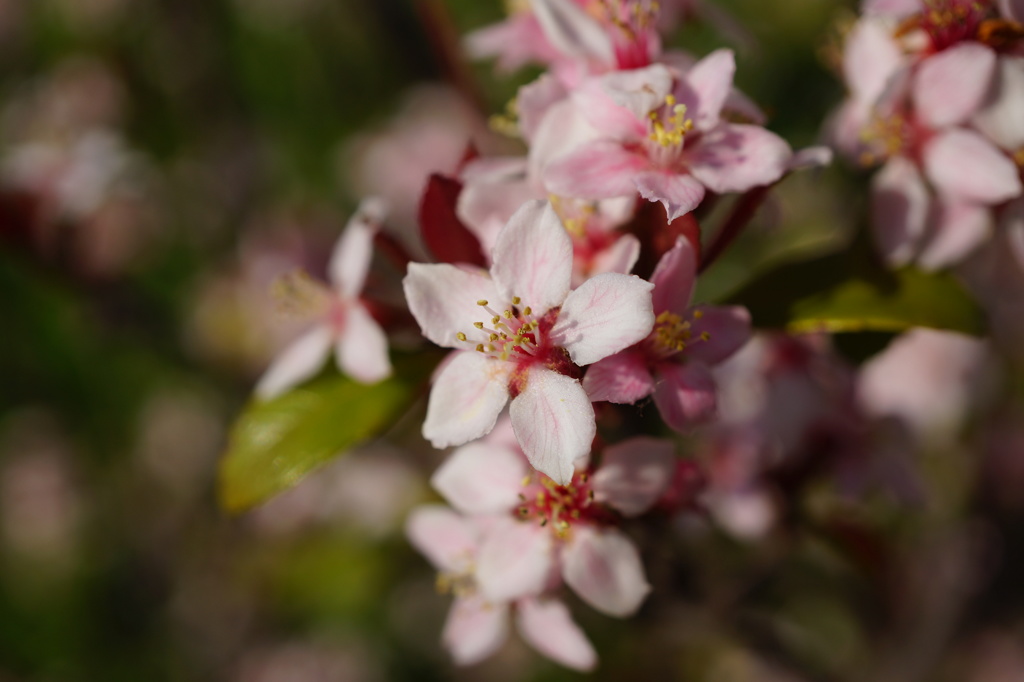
[1000, 118]
[620, 257]
[679, 193]
[634, 474]
[957, 230]
[711, 82]
[951, 85]
[685, 396]
[870, 60]
[596, 170]
[607, 313]
[622, 378]
[547, 626]
[674, 277]
[604, 569]
[350, 259]
[735, 158]
[296, 363]
[362, 349]
[443, 299]
[717, 332]
[515, 560]
[533, 257]
[617, 103]
[554, 422]
[574, 32]
[968, 167]
[480, 478]
[467, 397]
[446, 538]
[474, 629]
[899, 209]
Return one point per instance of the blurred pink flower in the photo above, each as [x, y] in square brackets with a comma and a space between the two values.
[345, 325]
[534, 336]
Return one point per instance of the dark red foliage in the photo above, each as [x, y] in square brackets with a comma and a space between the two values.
[443, 233]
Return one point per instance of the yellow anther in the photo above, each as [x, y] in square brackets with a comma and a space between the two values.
[697, 314]
[516, 300]
[460, 336]
[527, 310]
[525, 482]
[495, 320]
[480, 347]
[478, 325]
[670, 100]
[482, 302]
[494, 337]
[705, 336]
[507, 314]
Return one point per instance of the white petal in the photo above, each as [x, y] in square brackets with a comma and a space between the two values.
[572, 31]
[447, 539]
[634, 474]
[474, 629]
[467, 397]
[957, 230]
[547, 626]
[619, 257]
[968, 167]
[640, 91]
[481, 478]
[515, 560]
[900, 203]
[296, 363]
[362, 350]
[950, 86]
[554, 422]
[870, 60]
[609, 312]
[604, 569]
[1000, 118]
[443, 299]
[533, 257]
[350, 259]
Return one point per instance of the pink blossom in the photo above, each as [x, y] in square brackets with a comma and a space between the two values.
[521, 334]
[663, 137]
[673, 362]
[542, 532]
[345, 324]
[477, 626]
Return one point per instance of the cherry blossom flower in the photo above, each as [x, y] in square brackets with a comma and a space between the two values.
[521, 334]
[673, 362]
[664, 138]
[541, 531]
[345, 325]
[476, 627]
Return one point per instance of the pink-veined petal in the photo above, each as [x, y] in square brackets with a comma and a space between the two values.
[515, 560]
[717, 332]
[870, 60]
[474, 629]
[596, 170]
[350, 259]
[735, 158]
[685, 394]
[619, 257]
[572, 30]
[296, 363]
[485, 207]
[622, 378]
[535, 100]
[533, 258]
[900, 203]
[562, 130]
[548, 627]
[604, 569]
[951, 85]
[447, 539]
[362, 349]
[606, 314]
[466, 399]
[554, 422]
[679, 193]
[967, 167]
[711, 82]
[634, 474]
[443, 299]
[481, 478]
[957, 230]
[674, 277]
[1000, 118]
[618, 103]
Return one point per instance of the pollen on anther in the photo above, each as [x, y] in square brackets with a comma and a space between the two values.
[527, 310]
[482, 302]
[460, 336]
[516, 300]
[705, 336]
[480, 348]
[478, 325]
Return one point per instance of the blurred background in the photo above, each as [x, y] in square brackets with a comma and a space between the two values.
[162, 162]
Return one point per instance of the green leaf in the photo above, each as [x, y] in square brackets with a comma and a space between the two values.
[837, 294]
[274, 444]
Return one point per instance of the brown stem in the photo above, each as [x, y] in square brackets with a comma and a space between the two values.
[444, 39]
[745, 208]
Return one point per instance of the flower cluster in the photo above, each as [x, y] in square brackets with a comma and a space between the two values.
[935, 93]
